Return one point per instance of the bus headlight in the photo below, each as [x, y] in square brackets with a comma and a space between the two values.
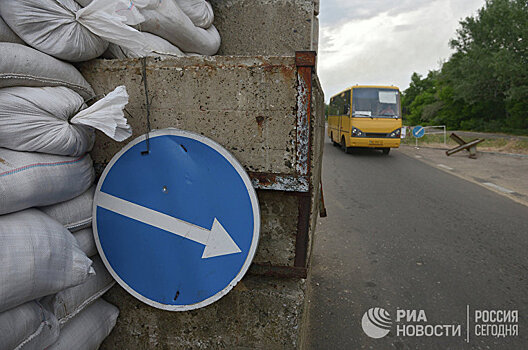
[357, 133]
[396, 133]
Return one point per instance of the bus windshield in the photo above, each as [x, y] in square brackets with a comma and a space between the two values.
[375, 103]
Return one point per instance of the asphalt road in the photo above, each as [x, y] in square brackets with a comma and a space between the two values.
[402, 235]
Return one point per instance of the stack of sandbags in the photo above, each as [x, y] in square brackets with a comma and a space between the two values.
[71, 32]
[66, 31]
[171, 27]
[51, 278]
[39, 257]
[82, 325]
[76, 216]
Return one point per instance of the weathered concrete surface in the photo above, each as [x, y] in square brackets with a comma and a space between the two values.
[315, 34]
[247, 104]
[279, 215]
[265, 27]
[260, 313]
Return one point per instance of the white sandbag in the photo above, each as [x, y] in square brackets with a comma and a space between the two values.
[30, 179]
[7, 35]
[85, 240]
[87, 330]
[155, 45]
[36, 119]
[69, 302]
[50, 26]
[24, 66]
[74, 214]
[55, 120]
[39, 257]
[169, 21]
[67, 31]
[102, 18]
[28, 326]
[200, 12]
[107, 115]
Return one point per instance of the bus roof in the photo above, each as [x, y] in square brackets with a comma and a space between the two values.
[367, 86]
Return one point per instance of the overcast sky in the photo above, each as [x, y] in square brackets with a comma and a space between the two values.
[384, 41]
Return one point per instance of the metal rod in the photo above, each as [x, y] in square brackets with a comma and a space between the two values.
[147, 102]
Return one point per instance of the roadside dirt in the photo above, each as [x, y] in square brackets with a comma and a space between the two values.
[510, 147]
[506, 174]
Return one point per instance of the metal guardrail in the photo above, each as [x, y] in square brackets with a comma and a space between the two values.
[431, 130]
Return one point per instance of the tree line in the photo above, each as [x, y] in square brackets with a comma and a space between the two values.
[484, 84]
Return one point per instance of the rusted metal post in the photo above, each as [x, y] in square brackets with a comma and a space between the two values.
[305, 62]
[470, 146]
[457, 138]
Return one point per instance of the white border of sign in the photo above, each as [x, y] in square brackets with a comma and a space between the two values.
[254, 203]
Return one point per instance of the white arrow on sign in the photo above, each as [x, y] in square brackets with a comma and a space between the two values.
[216, 240]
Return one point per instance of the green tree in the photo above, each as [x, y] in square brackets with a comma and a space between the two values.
[489, 71]
[420, 94]
[484, 84]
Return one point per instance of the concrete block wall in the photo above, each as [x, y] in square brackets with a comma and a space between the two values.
[259, 313]
[245, 103]
[267, 27]
[248, 104]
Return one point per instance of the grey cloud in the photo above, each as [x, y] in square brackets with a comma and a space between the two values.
[335, 12]
[388, 51]
[403, 28]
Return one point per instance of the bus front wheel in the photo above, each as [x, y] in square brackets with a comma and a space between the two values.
[343, 145]
[385, 151]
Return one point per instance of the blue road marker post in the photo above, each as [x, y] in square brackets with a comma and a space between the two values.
[178, 227]
[418, 132]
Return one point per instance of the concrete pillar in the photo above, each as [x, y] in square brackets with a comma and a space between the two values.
[250, 105]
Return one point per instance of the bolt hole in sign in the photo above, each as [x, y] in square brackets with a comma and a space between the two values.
[177, 227]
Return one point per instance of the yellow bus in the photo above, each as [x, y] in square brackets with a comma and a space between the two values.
[366, 116]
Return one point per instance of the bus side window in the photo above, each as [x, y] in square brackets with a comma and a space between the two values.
[332, 110]
[346, 101]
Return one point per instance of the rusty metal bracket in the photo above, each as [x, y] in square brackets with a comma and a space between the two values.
[280, 182]
[305, 62]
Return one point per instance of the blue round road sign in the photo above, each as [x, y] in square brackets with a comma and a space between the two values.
[418, 131]
[177, 227]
